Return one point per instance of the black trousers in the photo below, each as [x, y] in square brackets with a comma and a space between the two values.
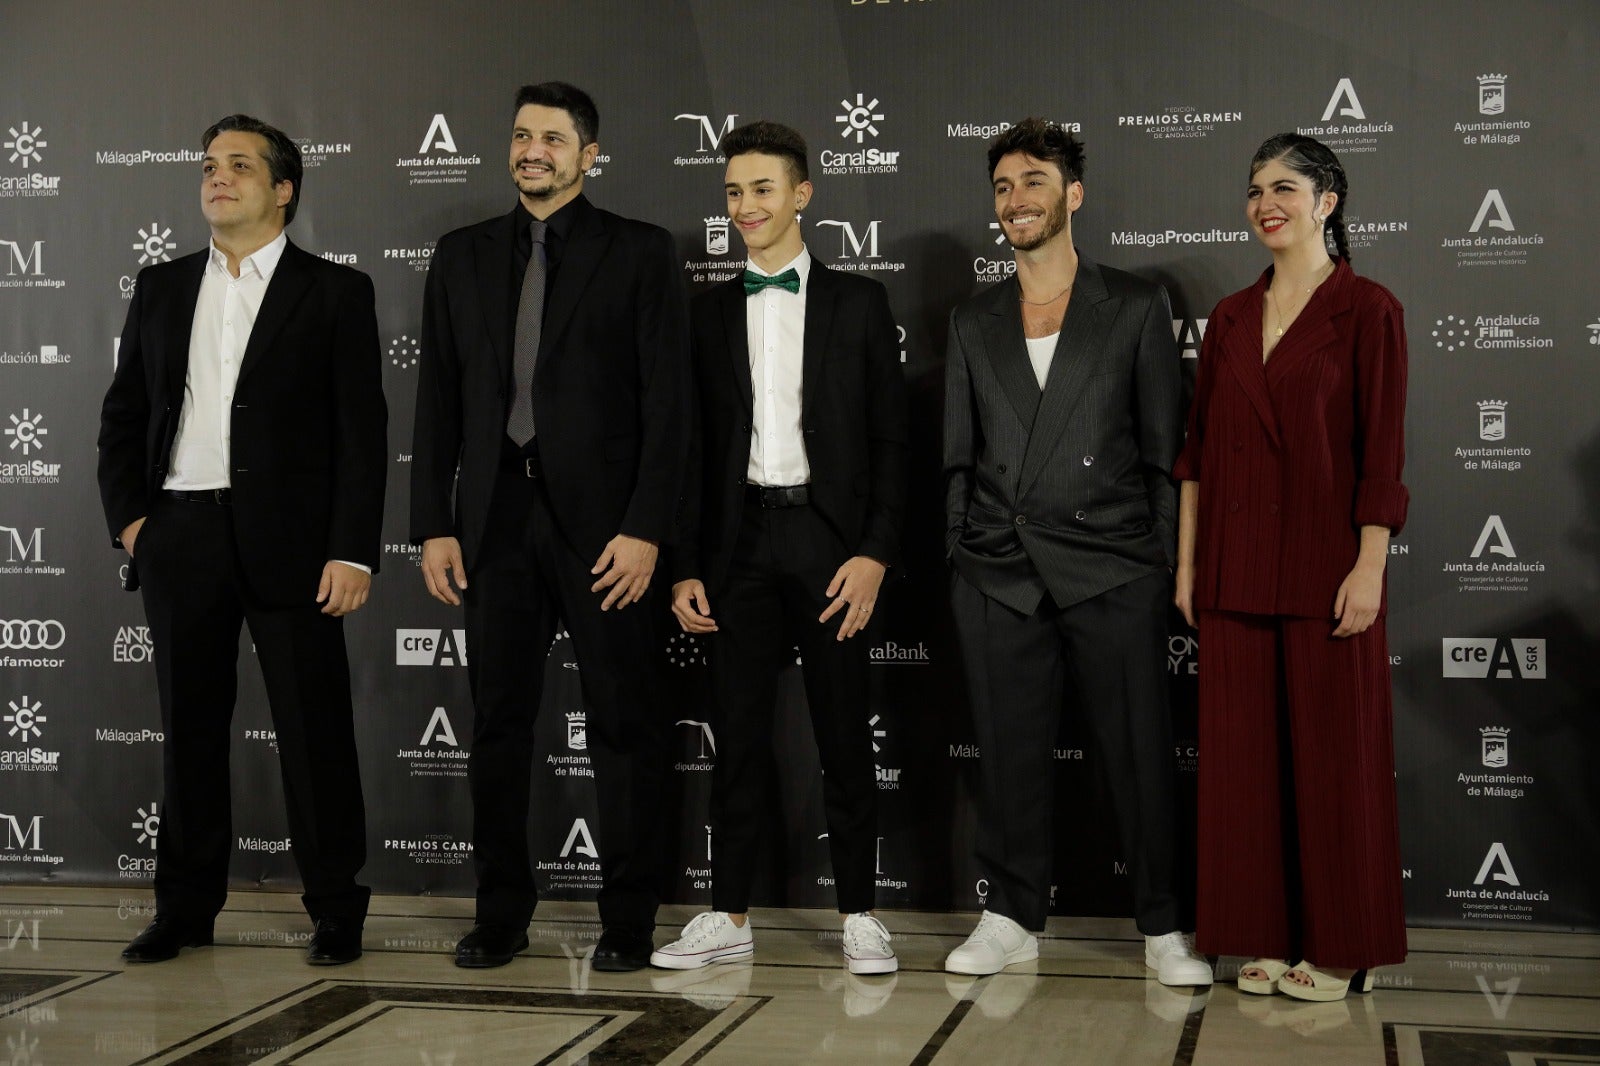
[1103, 658]
[782, 563]
[527, 581]
[195, 601]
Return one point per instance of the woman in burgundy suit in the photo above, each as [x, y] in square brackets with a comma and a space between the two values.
[1291, 490]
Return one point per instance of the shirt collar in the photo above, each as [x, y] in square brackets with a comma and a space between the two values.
[800, 264]
[560, 222]
[261, 262]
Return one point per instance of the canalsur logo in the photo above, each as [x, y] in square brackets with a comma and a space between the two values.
[1497, 893]
[1344, 125]
[888, 776]
[859, 245]
[1180, 122]
[25, 435]
[22, 148]
[987, 270]
[141, 864]
[1493, 239]
[708, 149]
[1495, 658]
[1494, 565]
[1494, 130]
[438, 753]
[154, 243]
[437, 160]
[23, 723]
[858, 125]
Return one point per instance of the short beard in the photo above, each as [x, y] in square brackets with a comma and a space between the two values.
[559, 183]
[1054, 222]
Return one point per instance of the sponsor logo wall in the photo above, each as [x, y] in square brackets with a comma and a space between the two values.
[1451, 153]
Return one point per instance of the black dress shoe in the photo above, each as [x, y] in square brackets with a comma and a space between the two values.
[489, 945]
[622, 950]
[164, 937]
[334, 942]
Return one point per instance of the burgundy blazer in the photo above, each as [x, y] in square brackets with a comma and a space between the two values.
[1294, 456]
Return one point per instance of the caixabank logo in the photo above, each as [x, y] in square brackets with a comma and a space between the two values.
[1496, 658]
[1493, 239]
[1493, 130]
[430, 647]
[1497, 893]
[438, 751]
[23, 723]
[859, 150]
[437, 160]
[1345, 126]
[24, 148]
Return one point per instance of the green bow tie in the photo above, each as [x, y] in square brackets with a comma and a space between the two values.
[789, 280]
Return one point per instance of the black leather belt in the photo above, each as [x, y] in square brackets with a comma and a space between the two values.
[782, 496]
[522, 465]
[217, 496]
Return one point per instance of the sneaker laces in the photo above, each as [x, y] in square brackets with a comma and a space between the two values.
[866, 927]
[702, 926]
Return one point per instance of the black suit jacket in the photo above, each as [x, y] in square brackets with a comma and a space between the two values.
[853, 416]
[610, 390]
[308, 437]
[1065, 491]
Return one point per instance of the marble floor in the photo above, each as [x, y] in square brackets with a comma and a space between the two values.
[1517, 999]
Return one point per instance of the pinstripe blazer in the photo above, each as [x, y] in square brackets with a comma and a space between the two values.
[1293, 457]
[1064, 490]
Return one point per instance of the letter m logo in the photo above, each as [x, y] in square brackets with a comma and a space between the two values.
[708, 132]
[24, 549]
[17, 838]
[851, 246]
[22, 260]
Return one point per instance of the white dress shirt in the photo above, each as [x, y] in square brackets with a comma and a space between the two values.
[775, 328]
[1041, 353]
[223, 317]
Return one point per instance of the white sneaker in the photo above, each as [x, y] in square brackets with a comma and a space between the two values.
[1172, 957]
[866, 945]
[995, 944]
[709, 937]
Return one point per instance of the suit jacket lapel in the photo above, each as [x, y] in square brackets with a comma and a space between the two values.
[492, 267]
[289, 283]
[180, 324]
[1080, 350]
[731, 300]
[821, 296]
[1312, 329]
[1007, 350]
[1241, 352]
[586, 246]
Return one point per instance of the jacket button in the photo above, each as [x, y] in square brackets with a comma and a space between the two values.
[1022, 519]
[1080, 515]
[1001, 468]
[1088, 460]
[1233, 507]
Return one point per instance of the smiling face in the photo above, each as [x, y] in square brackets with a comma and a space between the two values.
[547, 158]
[237, 194]
[1282, 207]
[1033, 201]
[765, 204]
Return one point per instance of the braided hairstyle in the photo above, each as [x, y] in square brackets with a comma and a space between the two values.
[1311, 159]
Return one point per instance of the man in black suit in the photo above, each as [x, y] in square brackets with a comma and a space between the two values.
[552, 396]
[1062, 421]
[242, 462]
[792, 513]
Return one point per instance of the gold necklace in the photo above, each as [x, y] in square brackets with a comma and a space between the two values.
[1277, 312]
[1042, 303]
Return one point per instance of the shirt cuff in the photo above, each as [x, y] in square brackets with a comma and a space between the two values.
[358, 566]
[1381, 503]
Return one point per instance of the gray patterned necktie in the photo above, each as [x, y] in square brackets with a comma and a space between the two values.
[525, 343]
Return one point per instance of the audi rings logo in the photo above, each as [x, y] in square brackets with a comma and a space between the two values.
[32, 635]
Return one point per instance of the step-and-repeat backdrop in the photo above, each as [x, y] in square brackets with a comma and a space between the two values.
[1469, 138]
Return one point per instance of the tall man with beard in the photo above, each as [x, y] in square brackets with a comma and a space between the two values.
[552, 405]
[1062, 421]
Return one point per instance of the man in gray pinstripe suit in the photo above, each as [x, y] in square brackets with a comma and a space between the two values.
[1062, 421]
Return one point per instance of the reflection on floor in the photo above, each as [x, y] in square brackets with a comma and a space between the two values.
[66, 998]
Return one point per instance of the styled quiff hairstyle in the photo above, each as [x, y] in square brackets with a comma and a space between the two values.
[769, 138]
[282, 154]
[1315, 161]
[569, 98]
[1042, 139]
